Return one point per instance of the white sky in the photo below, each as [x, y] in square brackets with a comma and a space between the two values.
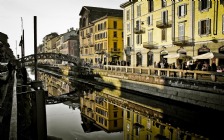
[52, 16]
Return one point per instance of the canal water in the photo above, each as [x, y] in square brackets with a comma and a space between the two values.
[77, 111]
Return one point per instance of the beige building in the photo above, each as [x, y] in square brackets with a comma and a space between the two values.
[156, 28]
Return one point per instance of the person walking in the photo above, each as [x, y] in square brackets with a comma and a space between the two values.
[10, 69]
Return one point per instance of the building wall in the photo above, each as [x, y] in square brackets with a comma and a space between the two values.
[185, 18]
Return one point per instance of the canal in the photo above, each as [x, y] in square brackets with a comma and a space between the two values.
[77, 111]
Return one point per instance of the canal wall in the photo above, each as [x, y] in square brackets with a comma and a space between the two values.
[202, 93]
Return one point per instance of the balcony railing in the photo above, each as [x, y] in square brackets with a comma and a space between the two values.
[139, 30]
[115, 50]
[163, 24]
[150, 45]
[183, 41]
[98, 51]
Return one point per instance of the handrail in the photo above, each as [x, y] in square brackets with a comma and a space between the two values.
[167, 72]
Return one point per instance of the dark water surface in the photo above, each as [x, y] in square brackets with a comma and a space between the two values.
[76, 111]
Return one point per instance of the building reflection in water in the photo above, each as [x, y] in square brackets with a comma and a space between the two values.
[101, 113]
[139, 122]
[138, 117]
[55, 86]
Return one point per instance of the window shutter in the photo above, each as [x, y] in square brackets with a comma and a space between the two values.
[222, 24]
[148, 20]
[178, 11]
[208, 26]
[199, 5]
[151, 19]
[185, 9]
[209, 2]
[137, 39]
[140, 39]
[199, 28]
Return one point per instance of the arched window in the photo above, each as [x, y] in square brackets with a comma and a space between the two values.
[162, 54]
[221, 49]
[149, 58]
[203, 49]
[182, 51]
[139, 59]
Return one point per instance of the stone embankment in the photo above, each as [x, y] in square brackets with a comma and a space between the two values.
[202, 93]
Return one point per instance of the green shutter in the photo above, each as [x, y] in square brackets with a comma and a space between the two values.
[199, 5]
[199, 27]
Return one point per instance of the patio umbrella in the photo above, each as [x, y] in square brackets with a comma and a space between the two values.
[209, 55]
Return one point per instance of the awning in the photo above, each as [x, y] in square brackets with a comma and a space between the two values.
[175, 56]
[209, 55]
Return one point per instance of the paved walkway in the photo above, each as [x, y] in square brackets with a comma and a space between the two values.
[6, 89]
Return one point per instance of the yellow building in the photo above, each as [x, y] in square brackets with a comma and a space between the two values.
[156, 28]
[140, 127]
[105, 115]
[101, 35]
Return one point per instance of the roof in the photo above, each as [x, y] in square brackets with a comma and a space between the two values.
[100, 12]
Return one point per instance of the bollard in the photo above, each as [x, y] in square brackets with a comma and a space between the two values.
[39, 110]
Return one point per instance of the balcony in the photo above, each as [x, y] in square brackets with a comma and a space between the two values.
[139, 30]
[183, 41]
[88, 35]
[150, 45]
[164, 24]
[98, 51]
[115, 50]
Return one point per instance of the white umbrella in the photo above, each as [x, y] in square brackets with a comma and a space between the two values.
[209, 55]
[175, 55]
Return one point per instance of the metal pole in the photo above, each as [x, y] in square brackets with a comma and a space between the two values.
[35, 46]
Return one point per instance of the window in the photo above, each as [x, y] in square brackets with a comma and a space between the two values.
[128, 114]
[128, 27]
[204, 27]
[149, 20]
[222, 24]
[163, 2]
[149, 58]
[139, 39]
[150, 5]
[115, 34]
[115, 46]
[165, 16]
[138, 10]
[115, 24]
[115, 114]
[204, 4]
[128, 14]
[128, 41]
[163, 37]
[138, 24]
[105, 25]
[181, 30]
[150, 36]
[182, 10]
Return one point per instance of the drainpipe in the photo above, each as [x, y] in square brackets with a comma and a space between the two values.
[133, 35]
[192, 23]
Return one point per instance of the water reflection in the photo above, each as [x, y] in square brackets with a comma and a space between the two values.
[81, 111]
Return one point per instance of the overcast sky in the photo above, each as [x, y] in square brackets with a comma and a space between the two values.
[52, 16]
